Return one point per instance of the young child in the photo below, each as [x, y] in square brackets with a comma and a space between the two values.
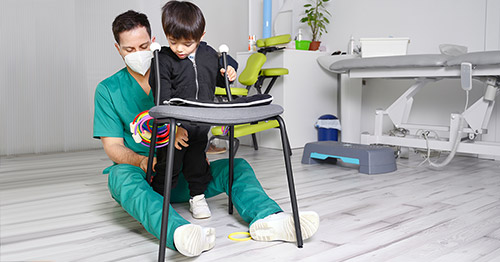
[188, 69]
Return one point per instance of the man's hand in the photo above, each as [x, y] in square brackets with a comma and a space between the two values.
[231, 73]
[144, 164]
[120, 154]
[181, 138]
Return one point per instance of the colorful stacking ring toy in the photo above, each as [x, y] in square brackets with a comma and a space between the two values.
[142, 127]
[224, 130]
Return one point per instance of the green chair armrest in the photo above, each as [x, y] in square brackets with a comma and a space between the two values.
[274, 72]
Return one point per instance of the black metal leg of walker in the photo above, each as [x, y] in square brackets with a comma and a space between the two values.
[291, 184]
[288, 143]
[254, 141]
[152, 151]
[231, 169]
[236, 146]
[166, 193]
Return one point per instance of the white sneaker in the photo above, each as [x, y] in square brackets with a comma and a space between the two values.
[190, 240]
[280, 226]
[198, 207]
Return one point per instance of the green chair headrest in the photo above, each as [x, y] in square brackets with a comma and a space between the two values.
[261, 43]
[251, 72]
[275, 40]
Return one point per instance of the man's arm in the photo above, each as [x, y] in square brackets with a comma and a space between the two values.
[120, 154]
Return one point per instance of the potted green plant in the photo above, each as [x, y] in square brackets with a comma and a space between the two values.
[316, 18]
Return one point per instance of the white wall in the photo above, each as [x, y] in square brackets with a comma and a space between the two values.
[492, 25]
[55, 52]
[428, 23]
[226, 23]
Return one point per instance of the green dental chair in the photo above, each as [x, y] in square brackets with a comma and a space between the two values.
[253, 75]
[265, 46]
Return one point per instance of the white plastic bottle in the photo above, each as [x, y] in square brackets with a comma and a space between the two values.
[350, 46]
[299, 35]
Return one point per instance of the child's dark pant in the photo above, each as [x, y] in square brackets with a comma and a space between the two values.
[192, 160]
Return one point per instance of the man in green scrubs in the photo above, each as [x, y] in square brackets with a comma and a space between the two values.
[118, 100]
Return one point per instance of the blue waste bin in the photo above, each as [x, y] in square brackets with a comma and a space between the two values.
[328, 128]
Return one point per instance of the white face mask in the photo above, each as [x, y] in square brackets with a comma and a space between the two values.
[139, 61]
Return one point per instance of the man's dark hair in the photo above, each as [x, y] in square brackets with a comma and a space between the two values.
[182, 20]
[128, 21]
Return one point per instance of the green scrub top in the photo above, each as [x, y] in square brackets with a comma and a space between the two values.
[118, 100]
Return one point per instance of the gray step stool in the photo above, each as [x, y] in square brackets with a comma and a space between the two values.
[370, 158]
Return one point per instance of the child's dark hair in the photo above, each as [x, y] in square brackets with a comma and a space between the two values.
[182, 20]
[128, 21]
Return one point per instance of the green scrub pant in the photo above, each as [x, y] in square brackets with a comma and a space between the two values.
[129, 188]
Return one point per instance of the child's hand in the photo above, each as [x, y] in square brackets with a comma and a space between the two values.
[231, 73]
[181, 138]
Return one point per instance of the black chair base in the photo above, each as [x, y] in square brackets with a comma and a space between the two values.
[169, 171]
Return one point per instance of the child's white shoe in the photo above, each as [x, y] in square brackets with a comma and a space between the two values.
[198, 207]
